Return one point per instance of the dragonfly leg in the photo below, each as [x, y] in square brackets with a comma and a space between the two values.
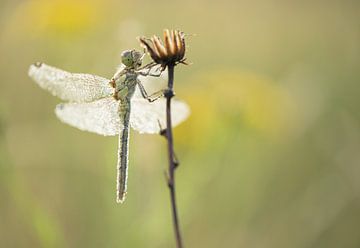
[153, 97]
[158, 71]
[150, 74]
[148, 66]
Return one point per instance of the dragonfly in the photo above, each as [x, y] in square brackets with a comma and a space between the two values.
[110, 107]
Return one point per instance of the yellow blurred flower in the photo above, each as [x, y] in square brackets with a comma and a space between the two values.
[61, 17]
[221, 99]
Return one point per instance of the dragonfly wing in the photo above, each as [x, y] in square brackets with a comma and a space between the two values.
[73, 87]
[99, 116]
[150, 118]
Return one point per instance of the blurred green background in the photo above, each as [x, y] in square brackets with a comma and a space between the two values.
[269, 157]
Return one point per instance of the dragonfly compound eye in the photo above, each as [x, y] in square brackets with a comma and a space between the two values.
[127, 58]
[137, 57]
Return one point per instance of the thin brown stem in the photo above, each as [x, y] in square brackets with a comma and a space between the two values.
[171, 155]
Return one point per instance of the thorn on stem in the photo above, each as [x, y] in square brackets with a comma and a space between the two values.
[163, 133]
[176, 161]
[167, 178]
[168, 93]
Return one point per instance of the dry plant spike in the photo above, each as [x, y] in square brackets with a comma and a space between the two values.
[168, 55]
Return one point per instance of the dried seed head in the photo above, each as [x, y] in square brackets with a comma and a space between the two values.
[172, 51]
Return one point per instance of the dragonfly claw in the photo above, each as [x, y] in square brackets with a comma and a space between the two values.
[112, 83]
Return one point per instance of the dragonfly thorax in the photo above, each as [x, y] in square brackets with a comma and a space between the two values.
[125, 85]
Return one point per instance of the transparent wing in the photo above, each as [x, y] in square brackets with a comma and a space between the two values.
[99, 116]
[73, 87]
[150, 118]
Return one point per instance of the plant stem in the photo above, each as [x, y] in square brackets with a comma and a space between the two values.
[171, 174]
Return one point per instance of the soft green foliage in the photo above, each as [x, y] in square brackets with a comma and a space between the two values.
[269, 156]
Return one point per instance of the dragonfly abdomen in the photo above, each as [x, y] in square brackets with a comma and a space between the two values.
[123, 153]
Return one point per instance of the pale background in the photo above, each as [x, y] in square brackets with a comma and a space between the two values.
[269, 157]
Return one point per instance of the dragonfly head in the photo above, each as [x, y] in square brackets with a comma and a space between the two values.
[132, 58]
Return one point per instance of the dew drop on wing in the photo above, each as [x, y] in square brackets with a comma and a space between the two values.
[38, 64]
